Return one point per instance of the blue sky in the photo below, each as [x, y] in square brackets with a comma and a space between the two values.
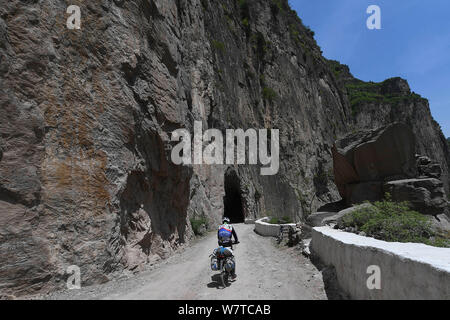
[413, 43]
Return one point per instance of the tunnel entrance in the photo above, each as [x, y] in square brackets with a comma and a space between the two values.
[233, 200]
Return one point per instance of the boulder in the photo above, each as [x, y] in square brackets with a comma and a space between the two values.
[305, 247]
[422, 160]
[344, 173]
[362, 161]
[320, 219]
[380, 153]
[425, 195]
[395, 86]
[337, 218]
[428, 169]
[441, 224]
[364, 191]
[316, 219]
[294, 236]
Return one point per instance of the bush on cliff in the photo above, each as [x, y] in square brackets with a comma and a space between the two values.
[269, 94]
[395, 222]
[197, 223]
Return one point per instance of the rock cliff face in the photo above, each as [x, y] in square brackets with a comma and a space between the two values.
[364, 160]
[376, 104]
[86, 115]
[370, 163]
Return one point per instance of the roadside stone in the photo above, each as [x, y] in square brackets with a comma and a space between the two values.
[202, 229]
[337, 218]
[316, 219]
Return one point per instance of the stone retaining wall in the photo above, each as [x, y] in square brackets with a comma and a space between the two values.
[407, 270]
[266, 229]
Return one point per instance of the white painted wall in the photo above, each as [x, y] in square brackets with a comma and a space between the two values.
[268, 229]
[408, 270]
[249, 221]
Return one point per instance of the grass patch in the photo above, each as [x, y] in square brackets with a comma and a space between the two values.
[260, 45]
[361, 93]
[196, 224]
[276, 7]
[337, 68]
[394, 222]
[276, 220]
[310, 31]
[245, 9]
[268, 94]
[220, 46]
[295, 33]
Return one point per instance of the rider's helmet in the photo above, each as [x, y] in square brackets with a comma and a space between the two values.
[226, 220]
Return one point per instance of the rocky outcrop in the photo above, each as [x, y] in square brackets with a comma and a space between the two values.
[363, 160]
[373, 105]
[369, 164]
[425, 195]
[427, 168]
[85, 171]
[319, 219]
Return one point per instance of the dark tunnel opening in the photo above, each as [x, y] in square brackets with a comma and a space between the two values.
[233, 200]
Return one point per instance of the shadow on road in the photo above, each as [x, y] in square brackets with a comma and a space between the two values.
[216, 282]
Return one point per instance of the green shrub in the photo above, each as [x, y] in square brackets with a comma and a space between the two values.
[276, 6]
[286, 219]
[361, 92]
[260, 45]
[245, 9]
[268, 93]
[196, 223]
[276, 220]
[309, 30]
[293, 30]
[218, 45]
[394, 221]
[273, 220]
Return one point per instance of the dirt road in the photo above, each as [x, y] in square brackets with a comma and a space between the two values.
[264, 272]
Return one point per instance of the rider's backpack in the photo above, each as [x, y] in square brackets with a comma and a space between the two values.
[224, 252]
[227, 252]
